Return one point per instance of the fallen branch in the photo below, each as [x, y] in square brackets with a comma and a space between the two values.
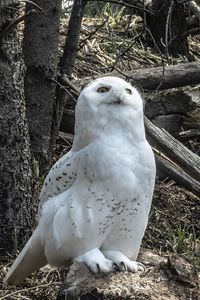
[178, 175]
[157, 78]
[136, 7]
[189, 134]
[172, 148]
[195, 9]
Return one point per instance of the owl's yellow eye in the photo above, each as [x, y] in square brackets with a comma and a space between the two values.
[129, 91]
[103, 89]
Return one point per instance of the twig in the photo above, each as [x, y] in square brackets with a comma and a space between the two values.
[189, 134]
[168, 25]
[14, 23]
[34, 4]
[124, 52]
[92, 33]
[63, 88]
[130, 5]
[193, 31]
[65, 81]
[29, 289]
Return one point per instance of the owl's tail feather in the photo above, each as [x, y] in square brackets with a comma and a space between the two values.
[30, 259]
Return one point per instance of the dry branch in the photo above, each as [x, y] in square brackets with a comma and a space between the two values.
[177, 174]
[158, 78]
[195, 9]
[176, 151]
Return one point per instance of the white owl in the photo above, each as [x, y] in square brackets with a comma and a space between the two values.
[96, 199]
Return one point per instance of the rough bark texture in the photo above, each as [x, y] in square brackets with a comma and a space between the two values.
[168, 26]
[67, 63]
[41, 59]
[16, 208]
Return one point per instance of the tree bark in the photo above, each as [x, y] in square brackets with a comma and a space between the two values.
[41, 59]
[17, 213]
[67, 63]
[168, 25]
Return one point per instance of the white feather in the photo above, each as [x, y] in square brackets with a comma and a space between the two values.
[96, 199]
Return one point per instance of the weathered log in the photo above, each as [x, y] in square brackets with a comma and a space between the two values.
[167, 278]
[168, 169]
[159, 78]
[176, 151]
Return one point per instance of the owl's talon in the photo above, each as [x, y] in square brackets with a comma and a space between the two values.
[123, 262]
[116, 267]
[98, 267]
[123, 266]
[96, 261]
[141, 267]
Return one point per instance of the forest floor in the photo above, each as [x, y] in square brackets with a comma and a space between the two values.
[174, 224]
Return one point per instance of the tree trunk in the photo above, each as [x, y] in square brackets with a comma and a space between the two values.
[41, 59]
[168, 26]
[67, 64]
[16, 208]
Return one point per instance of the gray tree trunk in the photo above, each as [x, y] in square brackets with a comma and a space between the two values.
[16, 208]
[168, 26]
[67, 63]
[41, 59]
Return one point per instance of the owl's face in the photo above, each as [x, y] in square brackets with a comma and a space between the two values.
[110, 93]
[108, 104]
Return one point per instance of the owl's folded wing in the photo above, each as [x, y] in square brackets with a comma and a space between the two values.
[60, 177]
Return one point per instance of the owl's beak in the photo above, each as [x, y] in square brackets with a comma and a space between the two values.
[117, 100]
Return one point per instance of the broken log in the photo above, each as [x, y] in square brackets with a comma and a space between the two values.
[172, 148]
[168, 169]
[157, 78]
[168, 278]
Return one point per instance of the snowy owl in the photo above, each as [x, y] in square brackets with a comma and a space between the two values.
[95, 201]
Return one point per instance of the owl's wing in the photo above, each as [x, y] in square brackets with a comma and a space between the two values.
[60, 177]
[32, 256]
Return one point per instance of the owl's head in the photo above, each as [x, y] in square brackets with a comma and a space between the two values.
[108, 104]
[110, 93]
